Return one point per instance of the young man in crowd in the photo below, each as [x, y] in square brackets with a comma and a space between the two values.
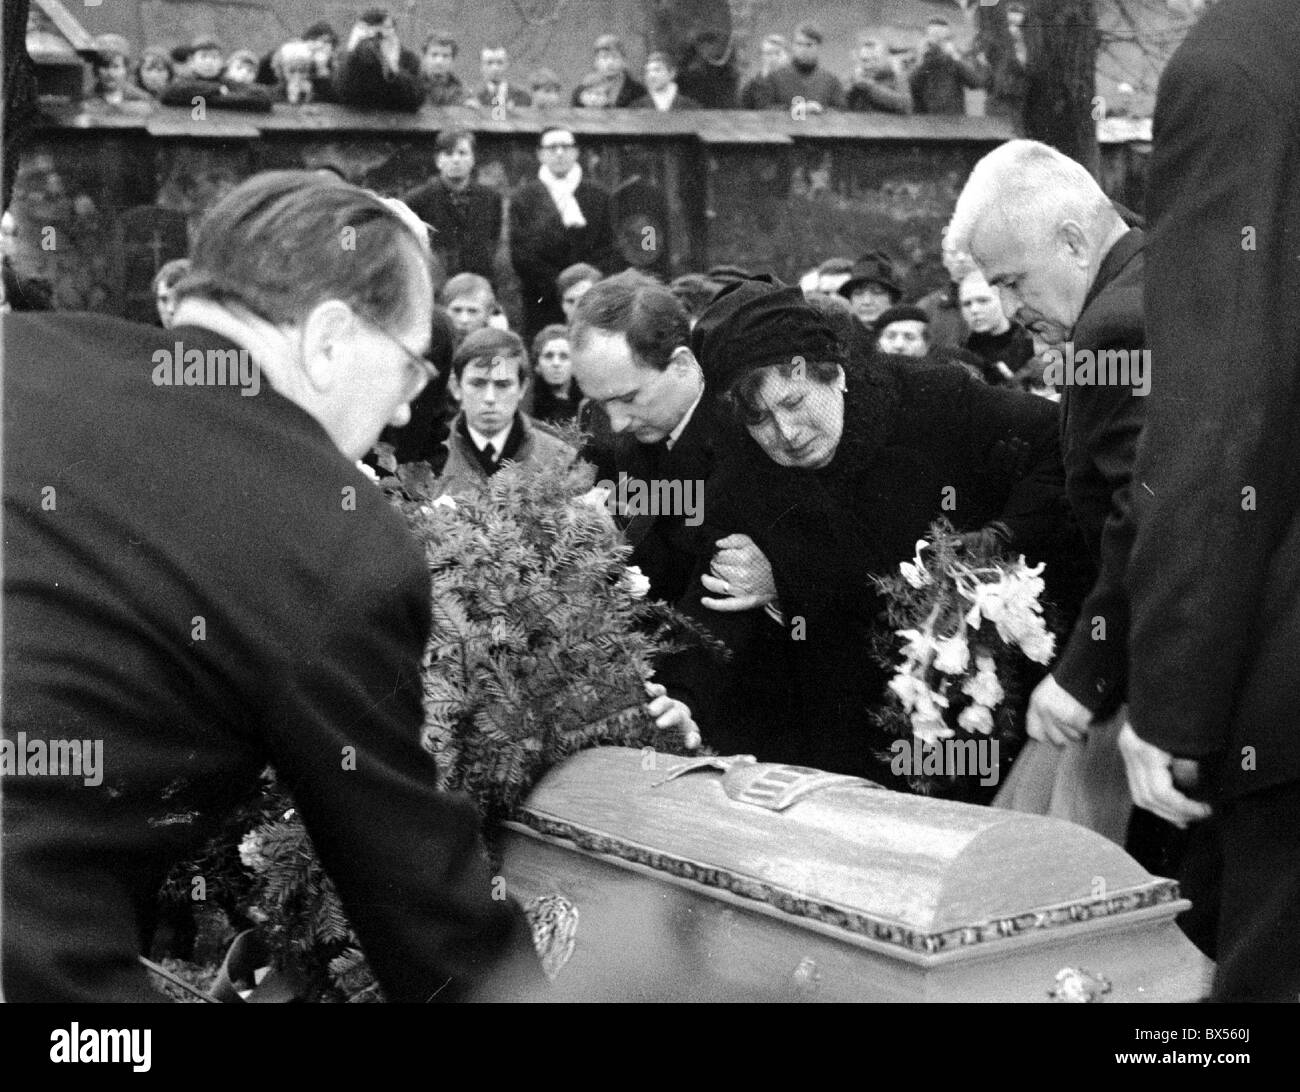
[556, 220]
[937, 82]
[442, 87]
[489, 377]
[661, 86]
[466, 217]
[774, 53]
[495, 90]
[610, 61]
[803, 85]
[545, 88]
[903, 331]
[375, 72]
[1004, 346]
[573, 283]
[469, 302]
[879, 83]
[206, 84]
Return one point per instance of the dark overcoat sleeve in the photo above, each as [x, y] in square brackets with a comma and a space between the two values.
[1217, 466]
[1093, 666]
[343, 730]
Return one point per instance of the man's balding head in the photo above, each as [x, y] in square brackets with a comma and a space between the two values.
[1038, 226]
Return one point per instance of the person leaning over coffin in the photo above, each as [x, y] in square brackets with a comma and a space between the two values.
[846, 457]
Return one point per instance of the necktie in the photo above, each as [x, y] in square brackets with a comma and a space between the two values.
[490, 452]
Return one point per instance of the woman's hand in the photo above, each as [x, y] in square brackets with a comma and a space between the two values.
[671, 713]
[741, 574]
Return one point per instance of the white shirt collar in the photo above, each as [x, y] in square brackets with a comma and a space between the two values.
[676, 433]
[498, 441]
[663, 100]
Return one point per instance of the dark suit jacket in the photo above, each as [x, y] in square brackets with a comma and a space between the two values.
[515, 96]
[1099, 434]
[631, 90]
[360, 80]
[1213, 578]
[541, 247]
[466, 225]
[667, 549]
[204, 615]
[680, 102]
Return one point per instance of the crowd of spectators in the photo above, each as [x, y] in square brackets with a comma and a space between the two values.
[373, 69]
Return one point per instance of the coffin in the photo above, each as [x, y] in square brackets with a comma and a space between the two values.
[654, 877]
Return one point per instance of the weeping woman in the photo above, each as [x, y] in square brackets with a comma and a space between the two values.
[846, 457]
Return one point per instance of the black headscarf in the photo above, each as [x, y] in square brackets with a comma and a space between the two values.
[757, 323]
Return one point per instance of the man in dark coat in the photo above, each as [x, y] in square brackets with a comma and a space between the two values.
[630, 343]
[465, 216]
[803, 86]
[236, 594]
[938, 82]
[557, 220]
[1070, 269]
[1216, 563]
[374, 72]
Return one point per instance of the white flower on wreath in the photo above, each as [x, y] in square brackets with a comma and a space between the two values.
[635, 582]
[446, 501]
[983, 687]
[952, 656]
[1039, 646]
[908, 688]
[921, 647]
[250, 852]
[596, 497]
[976, 718]
[930, 729]
[914, 571]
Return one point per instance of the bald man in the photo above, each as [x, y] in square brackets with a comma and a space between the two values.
[1069, 269]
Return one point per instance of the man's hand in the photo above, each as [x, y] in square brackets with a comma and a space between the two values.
[1055, 716]
[1153, 775]
[741, 573]
[671, 713]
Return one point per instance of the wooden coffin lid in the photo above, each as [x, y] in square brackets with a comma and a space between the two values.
[925, 874]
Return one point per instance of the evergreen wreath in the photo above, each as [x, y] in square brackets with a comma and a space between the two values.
[541, 644]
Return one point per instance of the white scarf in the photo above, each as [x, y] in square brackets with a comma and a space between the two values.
[562, 192]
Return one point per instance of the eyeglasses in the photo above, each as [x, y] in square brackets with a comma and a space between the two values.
[422, 366]
[558, 147]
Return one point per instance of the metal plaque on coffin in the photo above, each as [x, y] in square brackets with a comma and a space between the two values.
[659, 877]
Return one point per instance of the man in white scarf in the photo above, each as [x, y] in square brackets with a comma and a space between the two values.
[556, 221]
[561, 174]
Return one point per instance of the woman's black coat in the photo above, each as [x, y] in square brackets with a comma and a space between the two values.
[921, 441]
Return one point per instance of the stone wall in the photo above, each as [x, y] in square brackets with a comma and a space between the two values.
[101, 202]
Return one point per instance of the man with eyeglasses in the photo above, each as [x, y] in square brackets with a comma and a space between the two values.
[557, 220]
[204, 583]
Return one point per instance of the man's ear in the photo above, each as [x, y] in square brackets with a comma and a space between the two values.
[327, 336]
[453, 386]
[683, 361]
[1075, 240]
